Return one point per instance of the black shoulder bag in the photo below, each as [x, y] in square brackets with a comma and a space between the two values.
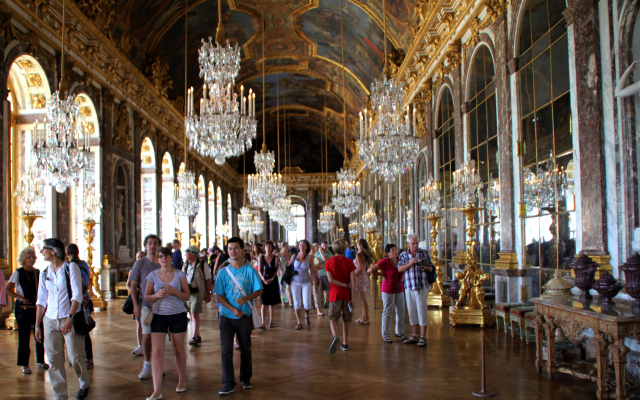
[83, 323]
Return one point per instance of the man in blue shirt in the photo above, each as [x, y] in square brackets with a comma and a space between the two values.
[177, 255]
[235, 311]
[349, 252]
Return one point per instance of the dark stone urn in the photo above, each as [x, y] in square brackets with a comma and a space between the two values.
[453, 291]
[607, 287]
[632, 278]
[585, 269]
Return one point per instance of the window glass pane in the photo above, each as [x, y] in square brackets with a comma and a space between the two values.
[544, 132]
[556, 7]
[528, 140]
[473, 128]
[542, 78]
[560, 60]
[557, 31]
[526, 89]
[482, 122]
[540, 45]
[493, 157]
[562, 124]
[492, 123]
[525, 31]
[483, 168]
[539, 19]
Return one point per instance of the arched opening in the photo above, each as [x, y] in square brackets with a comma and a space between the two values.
[167, 214]
[200, 220]
[299, 213]
[446, 164]
[28, 92]
[148, 189]
[229, 213]
[547, 144]
[212, 214]
[219, 216]
[482, 142]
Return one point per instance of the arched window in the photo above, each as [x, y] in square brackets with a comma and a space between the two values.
[148, 190]
[229, 213]
[483, 147]
[219, 215]
[167, 214]
[212, 214]
[446, 161]
[28, 92]
[299, 214]
[545, 128]
[200, 220]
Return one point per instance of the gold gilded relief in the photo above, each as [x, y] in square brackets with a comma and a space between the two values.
[165, 161]
[90, 127]
[25, 64]
[34, 79]
[146, 160]
[85, 111]
[166, 171]
[122, 129]
[38, 101]
[146, 148]
[79, 100]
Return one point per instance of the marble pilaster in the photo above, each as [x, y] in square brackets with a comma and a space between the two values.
[107, 174]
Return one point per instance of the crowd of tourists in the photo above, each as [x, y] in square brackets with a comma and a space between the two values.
[168, 291]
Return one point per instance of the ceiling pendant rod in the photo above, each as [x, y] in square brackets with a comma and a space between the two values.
[385, 69]
[186, 10]
[326, 134]
[62, 85]
[344, 102]
[220, 29]
[264, 89]
[278, 96]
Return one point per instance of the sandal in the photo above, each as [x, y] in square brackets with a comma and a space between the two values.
[412, 339]
[322, 315]
[199, 339]
[263, 327]
[193, 342]
[422, 342]
[403, 337]
[298, 327]
[367, 322]
[236, 346]
[387, 339]
[308, 321]
[26, 370]
[271, 325]
[360, 322]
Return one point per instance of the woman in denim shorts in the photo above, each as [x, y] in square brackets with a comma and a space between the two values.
[167, 289]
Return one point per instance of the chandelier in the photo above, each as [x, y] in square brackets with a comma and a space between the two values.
[493, 197]
[198, 224]
[540, 190]
[346, 199]
[388, 142]
[245, 219]
[30, 192]
[327, 220]
[467, 184]
[265, 187]
[91, 204]
[257, 226]
[430, 197]
[370, 219]
[226, 124]
[186, 195]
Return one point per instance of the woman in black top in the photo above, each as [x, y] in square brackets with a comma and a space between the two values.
[268, 272]
[23, 286]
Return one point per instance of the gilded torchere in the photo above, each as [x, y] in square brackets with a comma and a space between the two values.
[29, 220]
[96, 293]
[436, 296]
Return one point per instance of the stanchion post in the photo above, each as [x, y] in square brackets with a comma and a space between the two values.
[483, 390]
[375, 294]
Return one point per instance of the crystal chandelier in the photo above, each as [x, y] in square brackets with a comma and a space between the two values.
[30, 192]
[327, 220]
[60, 152]
[346, 199]
[540, 190]
[257, 226]
[245, 219]
[388, 142]
[281, 209]
[370, 219]
[226, 124]
[198, 224]
[493, 197]
[265, 187]
[430, 197]
[467, 184]
[186, 195]
[91, 204]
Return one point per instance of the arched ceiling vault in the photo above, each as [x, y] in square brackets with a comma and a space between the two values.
[303, 54]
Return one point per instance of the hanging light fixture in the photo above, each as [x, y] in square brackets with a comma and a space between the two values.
[430, 196]
[346, 198]
[62, 149]
[226, 124]
[186, 191]
[265, 187]
[388, 142]
[245, 218]
[257, 225]
[370, 219]
[327, 219]
[30, 192]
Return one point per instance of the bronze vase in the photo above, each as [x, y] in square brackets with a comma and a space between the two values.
[607, 287]
[454, 290]
[631, 270]
[585, 269]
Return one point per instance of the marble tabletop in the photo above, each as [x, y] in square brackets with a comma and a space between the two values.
[621, 311]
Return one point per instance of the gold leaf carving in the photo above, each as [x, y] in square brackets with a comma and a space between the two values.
[38, 101]
[85, 111]
[35, 79]
[90, 127]
[146, 148]
[122, 129]
[146, 160]
[25, 63]
[166, 171]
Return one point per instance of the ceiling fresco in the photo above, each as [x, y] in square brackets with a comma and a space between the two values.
[302, 50]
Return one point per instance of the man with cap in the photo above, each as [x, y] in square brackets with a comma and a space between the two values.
[58, 305]
[199, 280]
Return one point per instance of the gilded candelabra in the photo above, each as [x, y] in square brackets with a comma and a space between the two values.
[470, 307]
[96, 293]
[437, 295]
[29, 220]
[196, 239]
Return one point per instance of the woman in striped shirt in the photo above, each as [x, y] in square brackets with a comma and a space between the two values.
[168, 290]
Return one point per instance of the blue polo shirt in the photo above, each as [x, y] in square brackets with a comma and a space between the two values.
[350, 253]
[247, 277]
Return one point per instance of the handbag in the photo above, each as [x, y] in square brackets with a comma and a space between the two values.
[127, 307]
[431, 276]
[288, 275]
[255, 317]
[83, 323]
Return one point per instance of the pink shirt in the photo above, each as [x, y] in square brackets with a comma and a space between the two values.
[392, 282]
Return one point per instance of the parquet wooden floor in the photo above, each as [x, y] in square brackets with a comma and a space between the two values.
[289, 364]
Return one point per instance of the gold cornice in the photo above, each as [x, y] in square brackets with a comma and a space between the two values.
[109, 67]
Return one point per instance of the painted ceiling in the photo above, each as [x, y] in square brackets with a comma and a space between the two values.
[302, 62]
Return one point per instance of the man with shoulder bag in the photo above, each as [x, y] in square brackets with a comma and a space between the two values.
[236, 286]
[59, 299]
[199, 279]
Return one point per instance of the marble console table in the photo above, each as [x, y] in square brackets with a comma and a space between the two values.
[610, 325]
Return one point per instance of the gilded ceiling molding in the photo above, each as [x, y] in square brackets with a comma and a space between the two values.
[92, 50]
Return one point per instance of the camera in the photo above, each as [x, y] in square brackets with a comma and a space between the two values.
[296, 272]
[424, 263]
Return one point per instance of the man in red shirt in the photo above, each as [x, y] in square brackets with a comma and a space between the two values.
[342, 278]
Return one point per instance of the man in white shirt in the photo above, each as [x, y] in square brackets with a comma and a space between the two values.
[199, 280]
[58, 306]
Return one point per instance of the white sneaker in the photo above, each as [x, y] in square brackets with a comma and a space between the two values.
[137, 351]
[145, 373]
